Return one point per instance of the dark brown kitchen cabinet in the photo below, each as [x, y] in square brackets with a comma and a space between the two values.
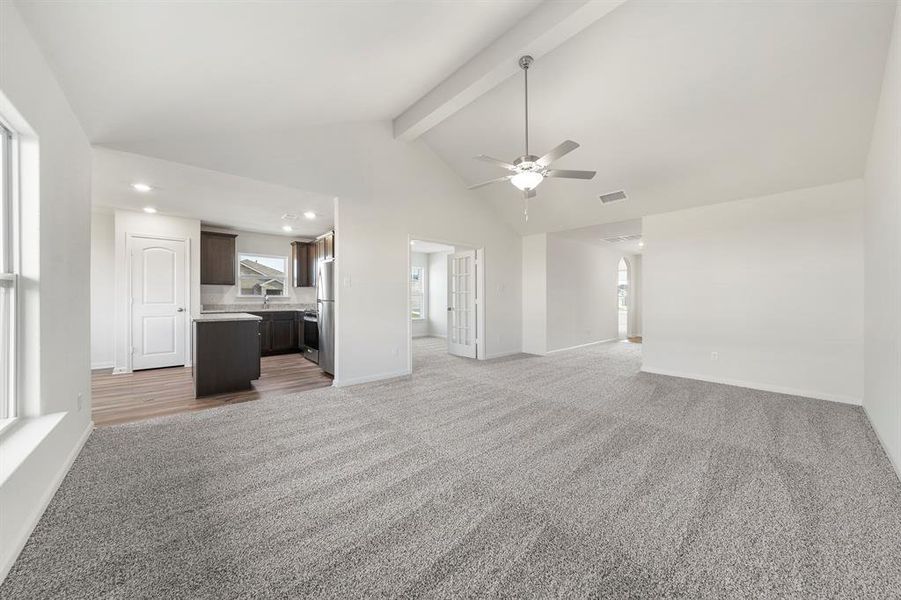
[328, 245]
[305, 258]
[226, 356]
[284, 335]
[303, 264]
[217, 258]
[278, 332]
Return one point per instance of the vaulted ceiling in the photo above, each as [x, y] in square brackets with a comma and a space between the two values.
[677, 103]
[684, 103]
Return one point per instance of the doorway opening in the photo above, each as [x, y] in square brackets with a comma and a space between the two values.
[623, 290]
[444, 304]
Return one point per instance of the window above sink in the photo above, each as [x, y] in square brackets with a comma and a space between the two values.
[260, 275]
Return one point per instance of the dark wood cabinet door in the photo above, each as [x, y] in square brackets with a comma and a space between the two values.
[312, 263]
[300, 264]
[265, 336]
[329, 243]
[284, 335]
[217, 258]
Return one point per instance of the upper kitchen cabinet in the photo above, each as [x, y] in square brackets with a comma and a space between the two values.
[217, 258]
[305, 257]
[303, 264]
[328, 245]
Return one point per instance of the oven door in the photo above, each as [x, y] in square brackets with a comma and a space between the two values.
[311, 337]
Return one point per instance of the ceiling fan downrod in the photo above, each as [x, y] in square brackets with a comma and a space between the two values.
[524, 63]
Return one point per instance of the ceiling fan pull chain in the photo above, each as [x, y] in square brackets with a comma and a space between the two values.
[525, 206]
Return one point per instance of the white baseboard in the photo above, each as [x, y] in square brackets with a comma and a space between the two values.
[501, 354]
[885, 447]
[582, 345]
[371, 378]
[765, 387]
[44, 502]
[102, 365]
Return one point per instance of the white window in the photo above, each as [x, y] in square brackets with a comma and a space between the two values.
[417, 293]
[261, 275]
[7, 279]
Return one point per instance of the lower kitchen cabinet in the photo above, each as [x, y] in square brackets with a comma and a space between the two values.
[226, 358]
[278, 332]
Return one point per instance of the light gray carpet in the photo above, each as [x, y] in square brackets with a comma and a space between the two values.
[569, 475]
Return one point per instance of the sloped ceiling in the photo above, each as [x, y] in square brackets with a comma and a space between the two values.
[682, 104]
[677, 103]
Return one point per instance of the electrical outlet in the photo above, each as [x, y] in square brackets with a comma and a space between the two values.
[714, 356]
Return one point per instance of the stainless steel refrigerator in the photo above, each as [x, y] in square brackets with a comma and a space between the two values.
[325, 299]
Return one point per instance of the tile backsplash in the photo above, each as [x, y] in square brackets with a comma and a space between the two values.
[228, 294]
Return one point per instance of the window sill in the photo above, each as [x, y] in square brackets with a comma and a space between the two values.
[20, 439]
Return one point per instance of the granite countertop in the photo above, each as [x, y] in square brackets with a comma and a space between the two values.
[224, 316]
[209, 309]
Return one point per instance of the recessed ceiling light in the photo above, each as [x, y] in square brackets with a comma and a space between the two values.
[149, 210]
[141, 187]
[640, 243]
[413, 243]
[289, 217]
[287, 228]
[310, 214]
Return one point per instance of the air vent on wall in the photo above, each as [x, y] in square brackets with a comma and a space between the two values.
[613, 197]
[623, 238]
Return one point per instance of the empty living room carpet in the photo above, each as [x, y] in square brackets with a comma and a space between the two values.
[570, 475]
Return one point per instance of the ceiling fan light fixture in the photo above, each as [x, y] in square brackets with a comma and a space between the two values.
[527, 180]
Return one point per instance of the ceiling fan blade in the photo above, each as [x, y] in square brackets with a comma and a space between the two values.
[561, 150]
[570, 174]
[490, 181]
[500, 163]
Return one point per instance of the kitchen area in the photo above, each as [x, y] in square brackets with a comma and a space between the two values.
[267, 305]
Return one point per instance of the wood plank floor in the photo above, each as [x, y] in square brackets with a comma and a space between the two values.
[142, 395]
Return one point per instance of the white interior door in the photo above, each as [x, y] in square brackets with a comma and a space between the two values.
[461, 304]
[158, 295]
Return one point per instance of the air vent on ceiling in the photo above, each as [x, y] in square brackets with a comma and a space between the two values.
[613, 197]
[623, 238]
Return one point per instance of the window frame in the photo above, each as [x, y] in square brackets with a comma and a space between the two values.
[9, 269]
[422, 303]
[286, 284]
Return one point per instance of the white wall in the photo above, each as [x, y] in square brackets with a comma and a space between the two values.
[55, 292]
[382, 209]
[438, 294]
[421, 326]
[774, 285]
[581, 292]
[882, 388]
[635, 296]
[534, 293]
[130, 223]
[569, 293]
[260, 243]
[103, 304]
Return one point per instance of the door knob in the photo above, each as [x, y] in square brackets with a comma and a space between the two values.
[181, 310]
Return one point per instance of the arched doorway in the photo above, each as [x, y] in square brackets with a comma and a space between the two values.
[622, 300]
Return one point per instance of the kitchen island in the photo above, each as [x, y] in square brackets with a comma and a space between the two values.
[226, 352]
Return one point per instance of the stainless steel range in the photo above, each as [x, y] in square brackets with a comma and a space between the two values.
[310, 334]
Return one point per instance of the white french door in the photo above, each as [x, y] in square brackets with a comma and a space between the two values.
[461, 303]
[158, 310]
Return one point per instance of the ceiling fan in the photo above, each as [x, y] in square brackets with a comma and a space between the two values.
[528, 170]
